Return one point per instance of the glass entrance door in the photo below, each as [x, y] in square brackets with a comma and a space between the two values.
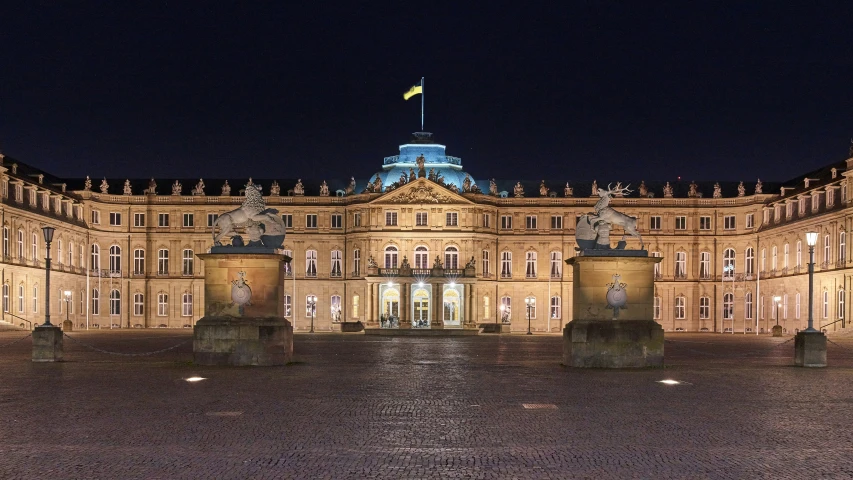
[420, 308]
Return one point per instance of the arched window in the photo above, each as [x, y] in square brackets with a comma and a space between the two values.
[115, 258]
[95, 264]
[336, 308]
[311, 263]
[728, 306]
[138, 261]
[390, 256]
[729, 263]
[162, 261]
[187, 304]
[115, 302]
[96, 302]
[451, 258]
[187, 262]
[530, 265]
[747, 305]
[704, 307]
[556, 307]
[506, 309]
[421, 257]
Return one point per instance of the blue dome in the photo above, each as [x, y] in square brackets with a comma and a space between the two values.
[434, 158]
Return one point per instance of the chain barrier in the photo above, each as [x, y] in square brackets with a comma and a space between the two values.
[144, 354]
[16, 341]
[839, 345]
[749, 354]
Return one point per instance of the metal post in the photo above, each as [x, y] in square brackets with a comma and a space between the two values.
[529, 302]
[47, 287]
[811, 290]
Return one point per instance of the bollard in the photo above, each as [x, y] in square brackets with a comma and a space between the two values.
[47, 343]
[777, 330]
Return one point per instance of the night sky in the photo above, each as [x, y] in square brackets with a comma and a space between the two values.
[604, 90]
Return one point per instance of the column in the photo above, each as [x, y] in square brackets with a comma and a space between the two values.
[404, 303]
[437, 301]
[469, 317]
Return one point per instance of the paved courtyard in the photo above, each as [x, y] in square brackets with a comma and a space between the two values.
[355, 406]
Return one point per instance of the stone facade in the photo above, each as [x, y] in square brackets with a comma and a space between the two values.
[140, 249]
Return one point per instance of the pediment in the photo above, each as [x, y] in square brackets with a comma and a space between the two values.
[421, 191]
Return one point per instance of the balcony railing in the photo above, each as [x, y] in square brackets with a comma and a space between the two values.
[506, 275]
[680, 275]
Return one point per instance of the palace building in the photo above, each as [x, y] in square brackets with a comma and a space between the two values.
[423, 243]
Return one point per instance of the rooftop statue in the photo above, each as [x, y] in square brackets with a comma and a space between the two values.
[493, 187]
[466, 183]
[518, 190]
[741, 190]
[543, 190]
[105, 187]
[177, 188]
[594, 189]
[850, 150]
[128, 190]
[377, 184]
[324, 189]
[420, 161]
[263, 225]
[758, 187]
[351, 187]
[431, 175]
[298, 189]
[226, 189]
[667, 190]
[718, 193]
[87, 185]
[199, 188]
[275, 189]
[568, 191]
[593, 230]
[693, 191]
[152, 187]
[403, 179]
[644, 191]
[412, 176]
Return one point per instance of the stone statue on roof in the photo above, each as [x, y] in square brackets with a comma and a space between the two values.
[403, 178]
[466, 183]
[431, 175]
[152, 187]
[412, 176]
[298, 189]
[493, 187]
[693, 190]
[644, 191]
[543, 190]
[718, 193]
[177, 188]
[568, 191]
[420, 161]
[741, 190]
[324, 189]
[351, 187]
[198, 190]
[594, 189]
[226, 189]
[850, 150]
[758, 187]
[275, 189]
[128, 190]
[667, 190]
[377, 184]
[518, 190]
[105, 187]
[87, 185]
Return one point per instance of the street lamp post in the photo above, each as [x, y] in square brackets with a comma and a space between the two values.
[531, 303]
[67, 295]
[778, 300]
[48, 237]
[312, 302]
[811, 240]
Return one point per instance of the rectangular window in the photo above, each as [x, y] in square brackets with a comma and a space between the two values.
[704, 307]
[96, 302]
[487, 220]
[530, 270]
[705, 265]
[390, 219]
[729, 222]
[421, 219]
[311, 263]
[96, 217]
[336, 263]
[654, 222]
[138, 261]
[355, 302]
[681, 223]
[656, 312]
[162, 262]
[556, 264]
[138, 304]
[212, 217]
[680, 309]
[704, 223]
[187, 305]
[680, 264]
[487, 268]
[139, 220]
[162, 304]
[163, 220]
[337, 221]
[506, 222]
[530, 222]
[336, 308]
[189, 220]
[288, 303]
[115, 219]
[750, 220]
[187, 262]
[506, 264]
[356, 262]
[311, 220]
[556, 222]
[452, 219]
[288, 220]
[556, 307]
[356, 219]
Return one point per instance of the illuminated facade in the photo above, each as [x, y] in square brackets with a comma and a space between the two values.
[428, 245]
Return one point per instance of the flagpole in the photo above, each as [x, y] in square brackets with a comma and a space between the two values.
[422, 104]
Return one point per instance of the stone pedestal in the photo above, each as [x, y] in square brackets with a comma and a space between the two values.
[47, 344]
[67, 326]
[777, 330]
[244, 310]
[600, 336]
[810, 349]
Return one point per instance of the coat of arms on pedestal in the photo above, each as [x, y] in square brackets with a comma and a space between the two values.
[617, 297]
[241, 294]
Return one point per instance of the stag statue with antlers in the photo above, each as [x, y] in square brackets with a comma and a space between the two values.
[593, 230]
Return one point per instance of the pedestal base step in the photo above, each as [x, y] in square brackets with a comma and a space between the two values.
[422, 332]
[613, 344]
[238, 341]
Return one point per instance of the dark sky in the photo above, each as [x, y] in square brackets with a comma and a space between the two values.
[557, 90]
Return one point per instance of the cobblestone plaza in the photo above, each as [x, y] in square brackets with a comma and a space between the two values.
[356, 406]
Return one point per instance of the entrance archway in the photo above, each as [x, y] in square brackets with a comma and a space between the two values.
[420, 308]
